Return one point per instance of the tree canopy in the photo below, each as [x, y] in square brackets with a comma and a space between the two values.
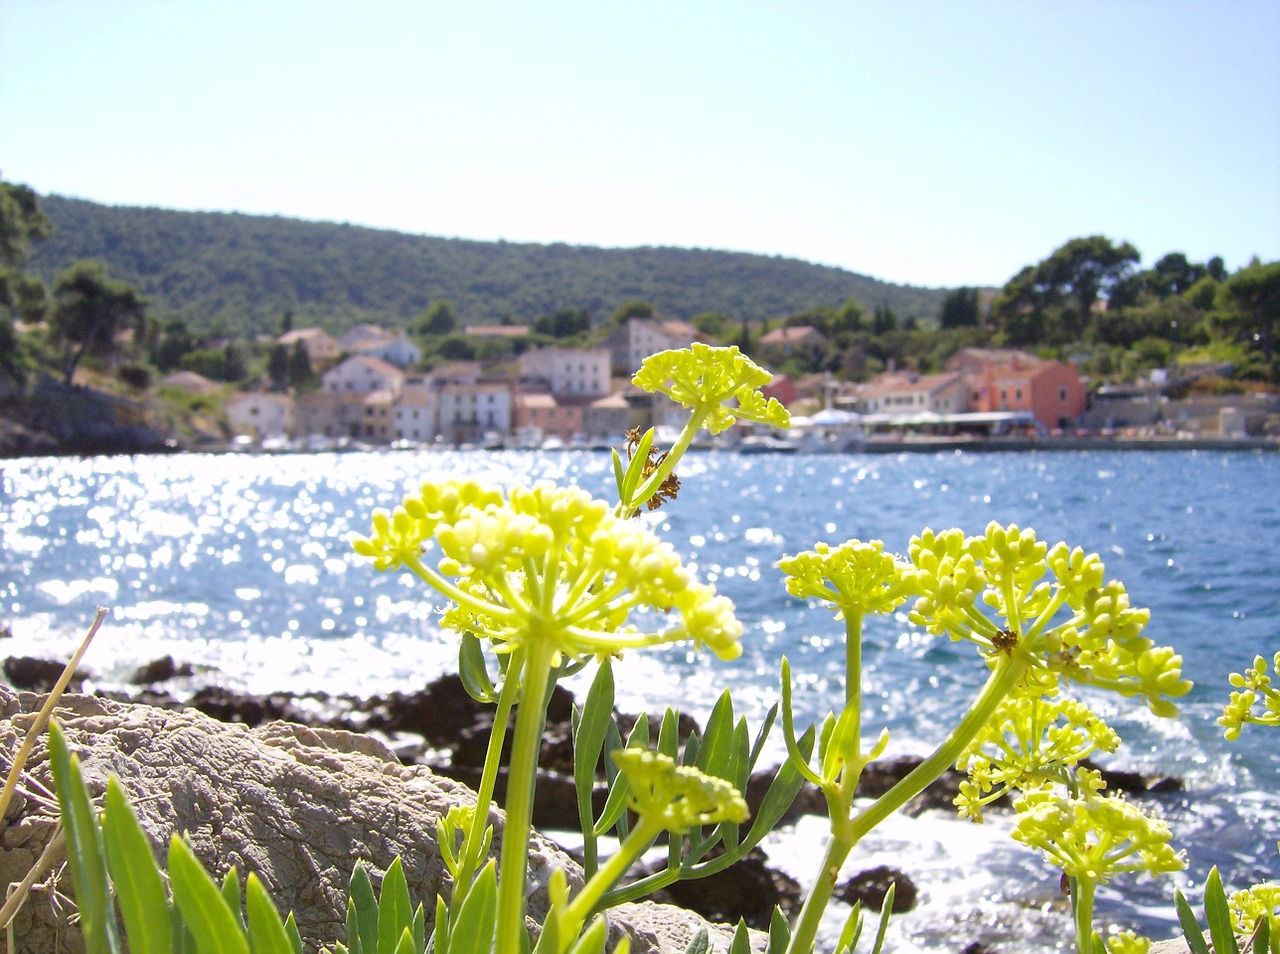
[90, 309]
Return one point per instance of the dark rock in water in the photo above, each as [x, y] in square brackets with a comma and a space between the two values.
[871, 886]
[37, 675]
[160, 670]
[5, 631]
[1122, 780]
[227, 705]
[977, 947]
[749, 890]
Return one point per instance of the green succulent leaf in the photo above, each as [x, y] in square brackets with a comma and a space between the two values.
[267, 934]
[140, 892]
[84, 849]
[214, 926]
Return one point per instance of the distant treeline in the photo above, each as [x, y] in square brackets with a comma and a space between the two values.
[238, 274]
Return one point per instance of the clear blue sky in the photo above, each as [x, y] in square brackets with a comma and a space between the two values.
[935, 144]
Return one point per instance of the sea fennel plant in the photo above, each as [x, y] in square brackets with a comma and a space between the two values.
[1038, 616]
[550, 581]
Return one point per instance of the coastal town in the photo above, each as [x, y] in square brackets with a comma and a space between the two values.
[370, 394]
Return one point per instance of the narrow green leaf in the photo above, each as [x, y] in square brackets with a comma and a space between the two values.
[692, 747]
[267, 934]
[473, 672]
[700, 944]
[361, 896]
[1218, 914]
[799, 759]
[782, 791]
[295, 936]
[440, 930]
[740, 756]
[183, 942]
[741, 943]
[473, 930]
[886, 911]
[669, 734]
[593, 939]
[779, 932]
[635, 469]
[851, 933]
[84, 849]
[588, 741]
[144, 905]
[405, 943]
[618, 478]
[717, 738]
[762, 735]
[419, 928]
[613, 742]
[212, 923]
[394, 912]
[1191, 929]
[840, 748]
[231, 894]
[353, 945]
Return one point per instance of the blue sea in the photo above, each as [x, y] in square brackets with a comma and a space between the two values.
[242, 563]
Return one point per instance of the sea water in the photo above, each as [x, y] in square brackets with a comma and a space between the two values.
[242, 563]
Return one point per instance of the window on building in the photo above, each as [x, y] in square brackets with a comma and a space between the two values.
[1018, 394]
[1062, 394]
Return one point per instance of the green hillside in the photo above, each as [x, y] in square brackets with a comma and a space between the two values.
[240, 273]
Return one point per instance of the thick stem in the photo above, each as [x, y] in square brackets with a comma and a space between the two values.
[650, 486]
[489, 776]
[1084, 915]
[805, 933]
[1008, 672]
[521, 779]
[609, 874]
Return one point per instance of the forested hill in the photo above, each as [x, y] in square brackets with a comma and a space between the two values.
[240, 273]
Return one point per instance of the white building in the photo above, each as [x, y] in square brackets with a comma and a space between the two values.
[635, 340]
[414, 412]
[466, 412]
[260, 415]
[567, 372]
[361, 375]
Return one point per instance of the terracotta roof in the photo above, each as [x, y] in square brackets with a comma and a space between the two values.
[791, 335]
[376, 365]
[915, 383]
[496, 331]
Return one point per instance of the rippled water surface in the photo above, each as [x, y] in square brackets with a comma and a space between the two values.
[242, 563]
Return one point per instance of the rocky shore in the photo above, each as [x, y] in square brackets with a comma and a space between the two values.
[443, 731]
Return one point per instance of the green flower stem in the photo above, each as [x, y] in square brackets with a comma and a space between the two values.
[853, 674]
[521, 779]
[845, 833]
[804, 934]
[439, 583]
[1084, 915]
[663, 471]
[1007, 674]
[609, 874]
[489, 776]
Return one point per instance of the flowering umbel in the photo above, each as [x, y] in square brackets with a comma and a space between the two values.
[705, 380]
[1094, 838]
[547, 564]
[1251, 686]
[1012, 594]
[679, 797]
[1029, 743]
[854, 577]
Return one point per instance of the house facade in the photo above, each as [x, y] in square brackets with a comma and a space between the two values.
[906, 393]
[567, 372]
[633, 341]
[321, 347]
[260, 415]
[362, 375]
[1000, 380]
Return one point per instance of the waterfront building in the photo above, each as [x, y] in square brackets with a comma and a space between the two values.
[567, 372]
[633, 341]
[260, 415]
[361, 375]
[321, 347]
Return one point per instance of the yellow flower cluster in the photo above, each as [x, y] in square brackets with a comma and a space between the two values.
[1252, 905]
[1051, 605]
[1127, 942]
[704, 379]
[678, 797]
[547, 564]
[1251, 685]
[1094, 838]
[854, 577]
[1029, 743]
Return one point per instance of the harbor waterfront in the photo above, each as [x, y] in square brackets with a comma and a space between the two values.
[240, 563]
